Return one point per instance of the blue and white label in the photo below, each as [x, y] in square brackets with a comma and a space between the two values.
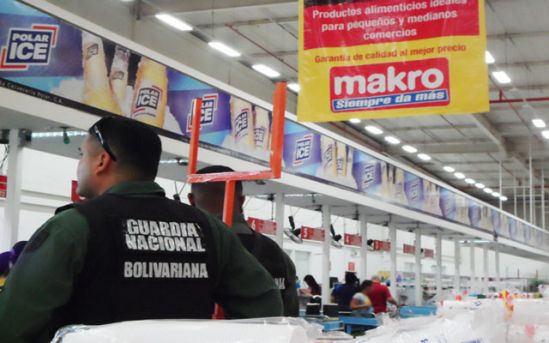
[303, 149]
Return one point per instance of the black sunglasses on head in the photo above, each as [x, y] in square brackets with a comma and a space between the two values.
[104, 144]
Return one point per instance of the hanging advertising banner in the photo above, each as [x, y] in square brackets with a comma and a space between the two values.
[391, 58]
[429, 253]
[266, 227]
[352, 240]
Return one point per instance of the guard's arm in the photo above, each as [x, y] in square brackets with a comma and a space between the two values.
[42, 279]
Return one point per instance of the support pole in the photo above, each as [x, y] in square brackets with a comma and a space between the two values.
[417, 288]
[498, 275]
[326, 221]
[279, 218]
[532, 202]
[393, 257]
[486, 273]
[500, 184]
[439, 264]
[457, 265]
[473, 273]
[364, 247]
[515, 196]
[543, 198]
[524, 216]
[10, 231]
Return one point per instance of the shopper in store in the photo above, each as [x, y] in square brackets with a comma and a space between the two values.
[379, 295]
[128, 253]
[210, 197]
[342, 294]
[313, 288]
[4, 268]
[361, 304]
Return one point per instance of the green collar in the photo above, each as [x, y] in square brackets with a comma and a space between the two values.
[137, 187]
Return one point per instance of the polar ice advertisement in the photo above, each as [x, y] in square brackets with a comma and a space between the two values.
[45, 57]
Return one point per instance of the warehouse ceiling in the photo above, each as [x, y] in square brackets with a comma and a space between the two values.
[481, 146]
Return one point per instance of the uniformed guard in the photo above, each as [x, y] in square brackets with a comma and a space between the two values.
[128, 253]
[210, 196]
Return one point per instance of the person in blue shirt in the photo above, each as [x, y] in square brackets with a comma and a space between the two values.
[342, 294]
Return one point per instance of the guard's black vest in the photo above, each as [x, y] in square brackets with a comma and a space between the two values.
[269, 254]
[148, 257]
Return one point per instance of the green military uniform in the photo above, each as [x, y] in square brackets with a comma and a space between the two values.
[44, 277]
[274, 259]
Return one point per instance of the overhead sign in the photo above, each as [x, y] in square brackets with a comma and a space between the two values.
[381, 246]
[312, 233]
[409, 249]
[387, 58]
[266, 227]
[354, 240]
[3, 186]
[428, 253]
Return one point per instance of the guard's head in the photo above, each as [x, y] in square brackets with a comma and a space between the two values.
[376, 278]
[350, 278]
[116, 150]
[209, 196]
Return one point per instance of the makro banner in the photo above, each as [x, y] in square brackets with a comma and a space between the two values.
[391, 58]
[46, 57]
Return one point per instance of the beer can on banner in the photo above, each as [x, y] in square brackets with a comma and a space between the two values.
[262, 128]
[400, 194]
[242, 123]
[150, 93]
[119, 75]
[97, 89]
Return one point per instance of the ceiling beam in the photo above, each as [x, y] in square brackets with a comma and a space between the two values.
[179, 7]
[253, 22]
[515, 35]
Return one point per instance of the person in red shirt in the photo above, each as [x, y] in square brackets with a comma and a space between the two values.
[379, 296]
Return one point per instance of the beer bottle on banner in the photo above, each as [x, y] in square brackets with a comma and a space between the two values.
[262, 129]
[328, 156]
[150, 93]
[349, 166]
[242, 123]
[97, 90]
[341, 160]
[119, 74]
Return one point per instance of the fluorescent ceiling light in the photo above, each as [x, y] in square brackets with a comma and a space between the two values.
[449, 169]
[496, 195]
[267, 71]
[480, 185]
[545, 134]
[488, 58]
[354, 121]
[504, 198]
[459, 175]
[392, 140]
[501, 77]
[227, 50]
[488, 190]
[410, 149]
[539, 123]
[470, 181]
[174, 22]
[53, 134]
[294, 87]
[374, 130]
[424, 157]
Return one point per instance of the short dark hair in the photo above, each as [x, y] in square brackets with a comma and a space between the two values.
[365, 284]
[214, 187]
[350, 278]
[135, 145]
